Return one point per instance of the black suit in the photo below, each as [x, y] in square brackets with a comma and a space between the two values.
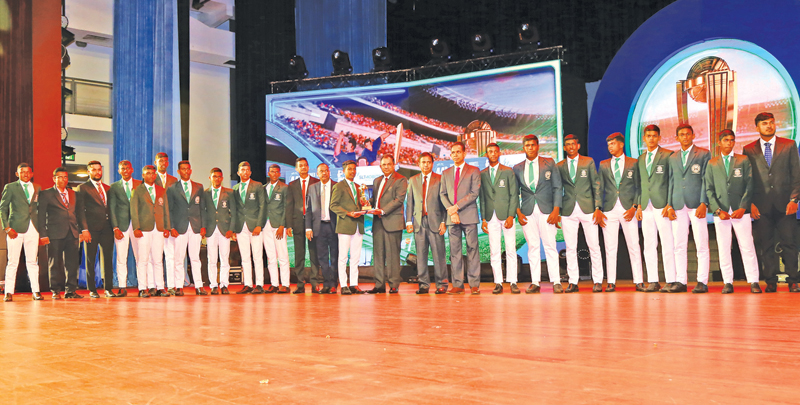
[60, 223]
[774, 186]
[94, 215]
[295, 219]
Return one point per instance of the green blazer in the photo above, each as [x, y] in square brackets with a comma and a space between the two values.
[687, 183]
[729, 191]
[276, 204]
[585, 189]
[342, 202]
[220, 216]
[500, 197]
[120, 205]
[182, 213]
[252, 210]
[147, 215]
[15, 212]
[628, 190]
[655, 185]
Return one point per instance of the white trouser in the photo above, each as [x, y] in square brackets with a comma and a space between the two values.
[176, 273]
[680, 237]
[496, 231]
[655, 226]
[250, 246]
[744, 234]
[615, 219]
[169, 255]
[218, 246]
[30, 242]
[349, 244]
[538, 232]
[277, 253]
[149, 264]
[569, 226]
[121, 246]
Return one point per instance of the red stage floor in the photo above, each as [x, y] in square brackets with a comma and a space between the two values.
[622, 347]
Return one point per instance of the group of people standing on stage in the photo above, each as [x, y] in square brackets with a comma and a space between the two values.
[162, 217]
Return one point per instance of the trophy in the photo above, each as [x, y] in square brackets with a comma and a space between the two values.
[477, 136]
[363, 200]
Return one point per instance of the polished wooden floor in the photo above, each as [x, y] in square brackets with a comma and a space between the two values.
[622, 347]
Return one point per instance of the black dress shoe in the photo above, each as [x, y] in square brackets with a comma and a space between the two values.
[283, 290]
[153, 292]
[325, 290]
[356, 290]
[771, 288]
[678, 288]
[224, 291]
[260, 290]
[557, 289]
[346, 291]
[726, 289]
[377, 291]
[597, 287]
[653, 287]
[179, 292]
[441, 290]
[393, 290]
[37, 297]
[122, 293]
[422, 290]
[611, 287]
[73, 296]
[301, 289]
[572, 288]
[498, 289]
[215, 291]
[533, 289]
[701, 288]
[246, 290]
[514, 288]
[109, 294]
[162, 293]
[666, 288]
[93, 294]
[9, 298]
[794, 288]
[144, 294]
[640, 287]
[200, 291]
[56, 295]
[755, 288]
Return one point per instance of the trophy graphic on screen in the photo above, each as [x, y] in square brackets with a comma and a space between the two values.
[710, 81]
[477, 135]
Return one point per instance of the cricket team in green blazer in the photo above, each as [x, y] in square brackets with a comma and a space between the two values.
[754, 195]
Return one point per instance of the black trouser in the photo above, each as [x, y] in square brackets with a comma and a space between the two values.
[327, 249]
[63, 262]
[104, 239]
[772, 228]
[313, 275]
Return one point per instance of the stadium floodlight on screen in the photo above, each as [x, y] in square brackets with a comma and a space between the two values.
[361, 123]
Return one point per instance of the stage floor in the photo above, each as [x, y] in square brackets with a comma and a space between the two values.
[622, 347]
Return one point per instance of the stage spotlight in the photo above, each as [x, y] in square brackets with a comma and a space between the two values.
[65, 62]
[382, 59]
[440, 52]
[481, 45]
[297, 68]
[528, 36]
[341, 63]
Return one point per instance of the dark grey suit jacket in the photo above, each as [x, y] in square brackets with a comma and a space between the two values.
[502, 196]
[394, 194]
[182, 214]
[628, 190]
[57, 221]
[314, 207]
[687, 184]
[93, 215]
[295, 202]
[655, 186]
[436, 211]
[549, 192]
[586, 188]
[776, 184]
[15, 212]
[469, 186]
[729, 191]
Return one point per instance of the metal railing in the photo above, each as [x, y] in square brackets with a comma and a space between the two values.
[87, 97]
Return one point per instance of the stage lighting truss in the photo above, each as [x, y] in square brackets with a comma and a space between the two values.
[420, 73]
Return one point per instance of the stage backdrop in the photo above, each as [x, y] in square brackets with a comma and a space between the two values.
[361, 124]
[714, 64]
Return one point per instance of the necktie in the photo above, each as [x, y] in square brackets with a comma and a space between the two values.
[727, 165]
[64, 199]
[617, 172]
[27, 193]
[271, 187]
[102, 194]
[304, 197]
[216, 196]
[458, 177]
[152, 194]
[353, 190]
[531, 176]
[650, 162]
[572, 169]
[324, 206]
[127, 191]
[186, 191]
[491, 173]
[383, 188]
[424, 195]
[768, 153]
[243, 191]
[684, 153]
